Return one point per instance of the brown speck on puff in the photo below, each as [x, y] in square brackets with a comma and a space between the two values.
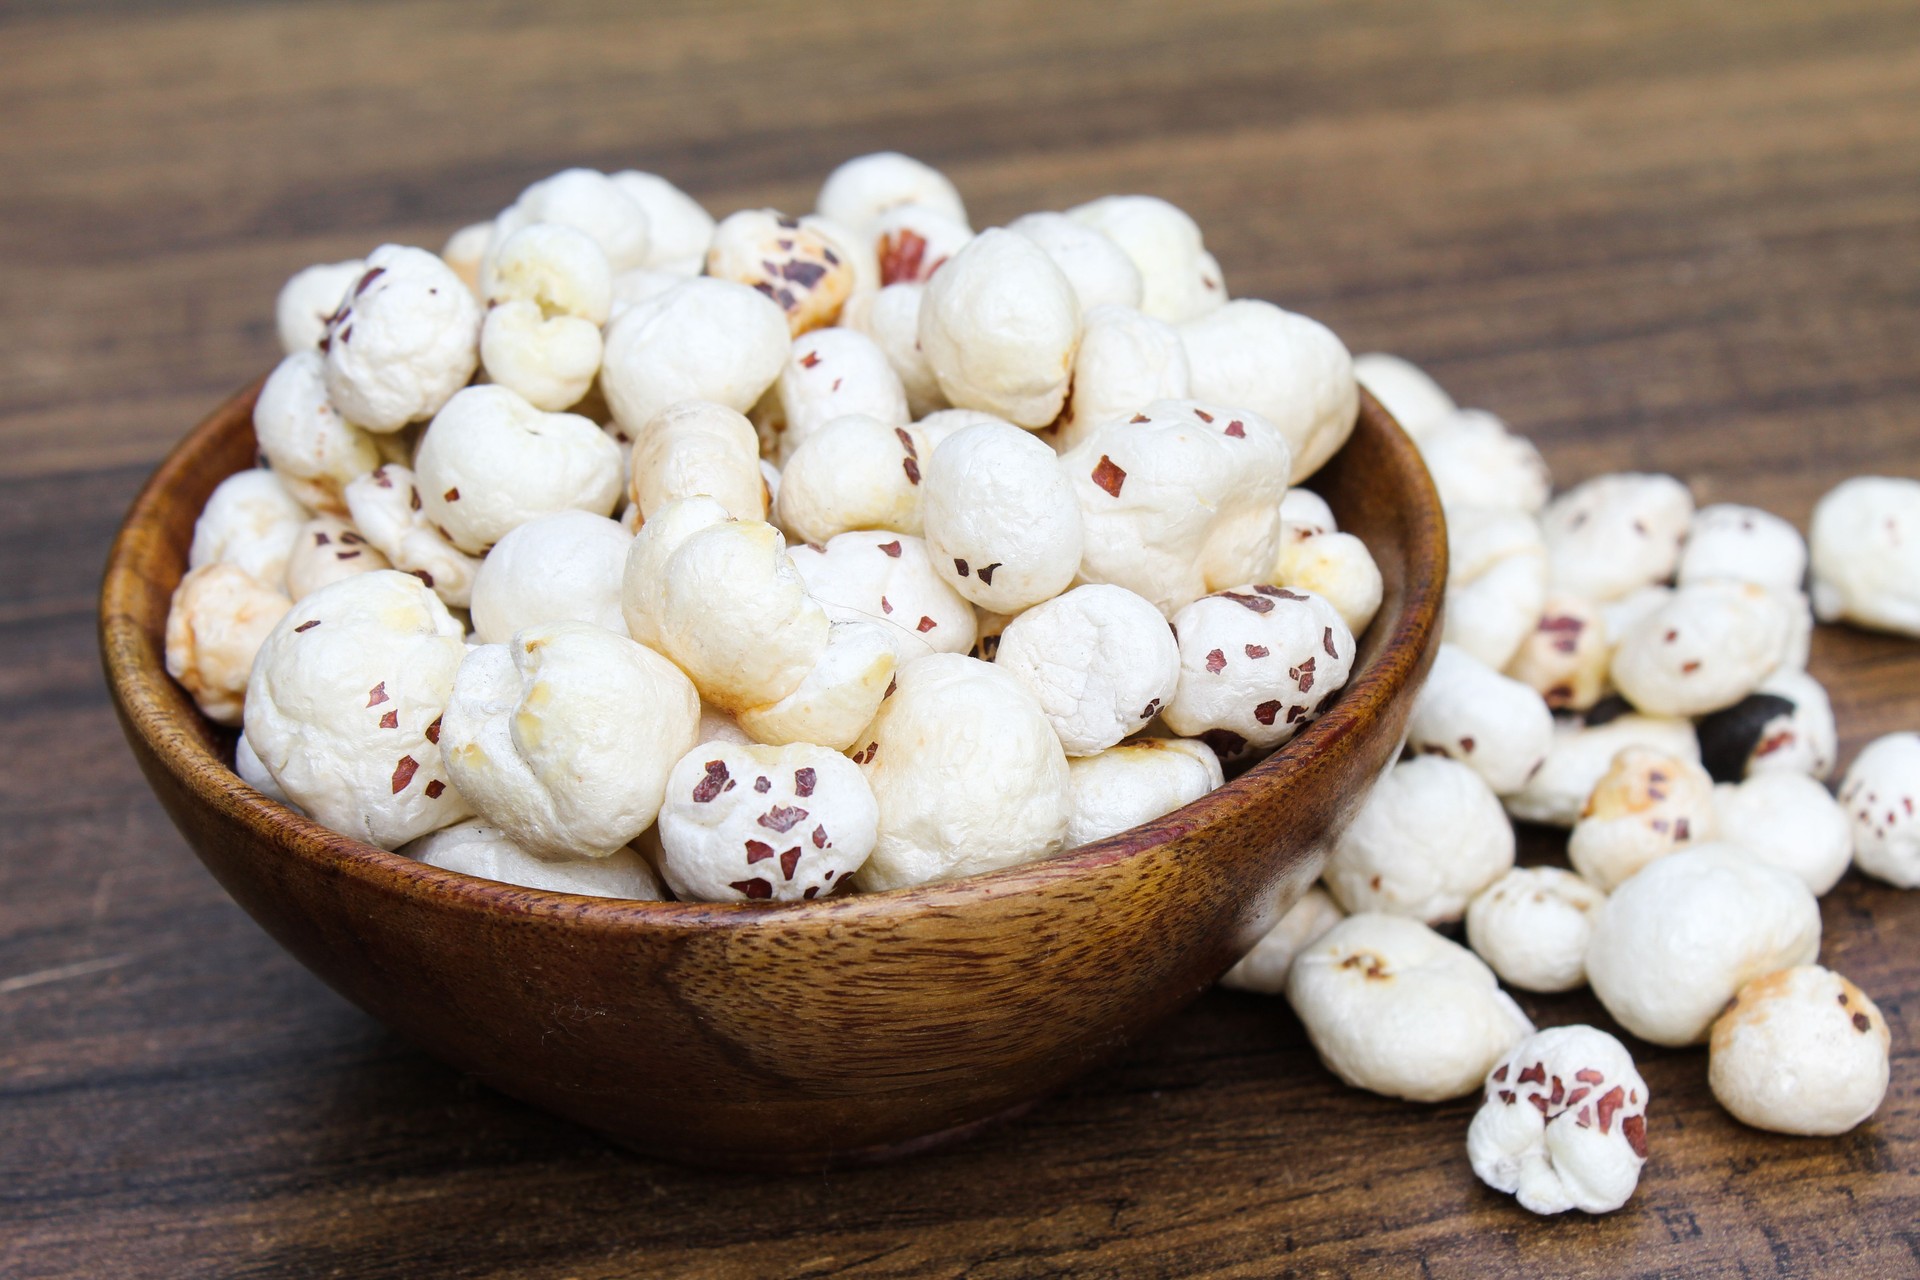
[424, 577]
[436, 789]
[308, 625]
[789, 860]
[1237, 429]
[960, 567]
[782, 817]
[758, 851]
[1326, 642]
[820, 837]
[1109, 476]
[1259, 604]
[925, 625]
[763, 784]
[712, 784]
[1257, 651]
[1216, 662]
[754, 888]
[391, 720]
[810, 359]
[433, 731]
[986, 572]
[1862, 1023]
[451, 495]
[891, 549]
[1266, 711]
[403, 773]
[803, 781]
[377, 694]
[1147, 712]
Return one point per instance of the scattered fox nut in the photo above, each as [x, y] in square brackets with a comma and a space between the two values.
[1496, 581]
[678, 229]
[1002, 524]
[792, 264]
[313, 450]
[1126, 361]
[1476, 462]
[1289, 369]
[1790, 821]
[1743, 544]
[475, 848]
[887, 578]
[1495, 725]
[307, 299]
[586, 201]
[1707, 647]
[1339, 569]
[1866, 554]
[251, 521]
[1675, 942]
[548, 294]
[1617, 532]
[1179, 279]
[831, 374]
[891, 318]
[1405, 391]
[219, 618]
[1800, 1051]
[564, 736]
[345, 702]
[561, 567]
[1880, 793]
[405, 337]
[1582, 753]
[1430, 837]
[1136, 782]
[746, 823]
[1533, 925]
[1784, 726]
[1564, 1125]
[1394, 1008]
[1256, 665]
[912, 241]
[860, 190]
[390, 513]
[1566, 658]
[999, 325]
[1100, 660]
[703, 339]
[854, 472]
[1098, 269]
[1264, 969]
[838, 696]
[1648, 804]
[327, 550]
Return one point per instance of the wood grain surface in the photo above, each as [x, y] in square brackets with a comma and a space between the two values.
[1671, 235]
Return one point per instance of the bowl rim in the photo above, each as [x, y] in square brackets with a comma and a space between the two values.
[155, 708]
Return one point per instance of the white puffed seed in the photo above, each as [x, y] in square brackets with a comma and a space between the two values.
[308, 297]
[1256, 666]
[999, 325]
[1305, 514]
[1675, 942]
[1100, 660]
[642, 284]
[1496, 583]
[791, 264]
[479, 849]
[1564, 1125]
[838, 696]
[1338, 568]
[697, 447]
[1790, 821]
[863, 188]
[1180, 499]
[563, 567]
[1567, 657]
[967, 772]
[1476, 462]
[1881, 794]
[1126, 361]
[1706, 648]
[835, 373]
[1099, 270]
[888, 578]
[403, 340]
[700, 340]
[1288, 368]
[219, 617]
[1002, 524]
[586, 201]
[466, 250]
[854, 472]
[250, 521]
[1581, 755]
[678, 228]
[643, 580]
[563, 737]
[327, 550]
[313, 450]
[745, 822]
[1136, 782]
[549, 293]
[344, 707]
[1405, 391]
[1495, 725]
[1179, 279]
[1744, 544]
[891, 317]
[912, 241]
[1866, 554]
[1800, 1051]
[1533, 925]
[1394, 1008]
[1784, 726]
[1264, 969]
[1648, 805]
[1615, 533]
[390, 513]
[246, 763]
[1428, 839]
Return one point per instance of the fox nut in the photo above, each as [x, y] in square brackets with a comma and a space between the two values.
[313, 450]
[1566, 658]
[1135, 782]
[1394, 1008]
[1880, 794]
[1564, 1124]
[703, 339]
[1496, 581]
[834, 373]
[1002, 526]
[1495, 725]
[476, 848]
[1264, 969]
[912, 241]
[1100, 271]
[1790, 821]
[791, 264]
[838, 696]
[389, 512]
[1179, 279]
[404, 338]
[549, 293]
[1289, 369]
[753, 823]
[251, 521]
[999, 325]
[887, 578]
[1647, 805]
[1180, 499]
[1533, 925]
[1784, 726]
[1126, 361]
[1744, 544]
[1614, 533]
[1100, 660]
[1581, 754]
[327, 550]
[891, 317]
[582, 200]
[306, 300]
[1800, 1051]
[563, 737]
[564, 567]
[643, 579]
[1476, 462]
[1675, 942]
[466, 251]
[678, 228]
[344, 707]
[1339, 569]
[1428, 839]
[1705, 649]
[955, 730]
[1405, 391]
[1866, 554]
[1305, 514]
[1256, 665]
[851, 473]
[697, 447]
[219, 618]
[860, 190]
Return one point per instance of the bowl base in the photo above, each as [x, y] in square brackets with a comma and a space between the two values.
[823, 1161]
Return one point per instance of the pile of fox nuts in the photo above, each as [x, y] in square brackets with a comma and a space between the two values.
[1624, 666]
[613, 550]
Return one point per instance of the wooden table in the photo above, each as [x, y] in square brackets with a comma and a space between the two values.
[1680, 236]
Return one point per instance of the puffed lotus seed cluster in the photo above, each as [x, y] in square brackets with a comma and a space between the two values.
[1625, 666]
[618, 550]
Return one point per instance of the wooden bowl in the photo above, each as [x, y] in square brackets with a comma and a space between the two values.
[796, 1035]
